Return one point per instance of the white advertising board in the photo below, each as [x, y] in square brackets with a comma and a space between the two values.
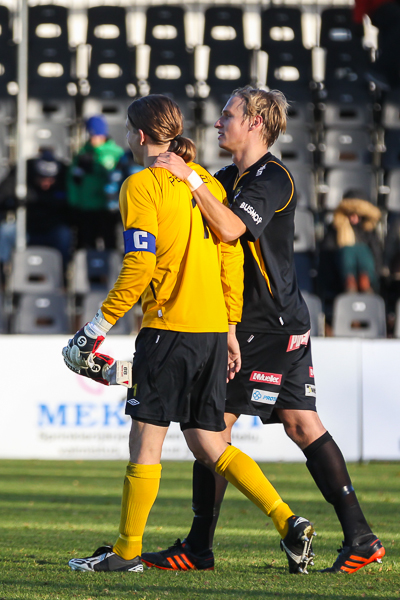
[381, 399]
[48, 412]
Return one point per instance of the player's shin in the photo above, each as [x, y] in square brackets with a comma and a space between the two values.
[141, 486]
[208, 493]
[244, 473]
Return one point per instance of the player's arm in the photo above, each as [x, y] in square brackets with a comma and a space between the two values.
[232, 285]
[140, 225]
[225, 224]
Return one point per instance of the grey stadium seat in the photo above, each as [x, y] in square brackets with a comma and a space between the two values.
[91, 304]
[359, 315]
[41, 314]
[317, 316]
[397, 321]
[36, 270]
[94, 270]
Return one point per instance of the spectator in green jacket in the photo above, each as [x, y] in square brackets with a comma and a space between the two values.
[86, 184]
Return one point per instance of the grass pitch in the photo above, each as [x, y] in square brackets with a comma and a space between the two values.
[52, 511]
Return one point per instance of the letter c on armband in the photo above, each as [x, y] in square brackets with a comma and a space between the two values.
[137, 240]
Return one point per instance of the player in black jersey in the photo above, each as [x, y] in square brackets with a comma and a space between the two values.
[276, 381]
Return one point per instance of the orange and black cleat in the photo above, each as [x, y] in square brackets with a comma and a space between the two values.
[353, 558]
[179, 557]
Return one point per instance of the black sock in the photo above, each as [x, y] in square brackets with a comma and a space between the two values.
[328, 469]
[203, 499]
[208, 493]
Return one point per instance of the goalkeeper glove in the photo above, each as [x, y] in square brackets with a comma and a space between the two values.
[103, 369]
[86, 341]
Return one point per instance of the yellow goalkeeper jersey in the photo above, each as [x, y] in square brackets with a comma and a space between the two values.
[188, 280]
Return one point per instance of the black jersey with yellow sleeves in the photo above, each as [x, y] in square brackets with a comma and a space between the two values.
[264, 198]
[187, 279]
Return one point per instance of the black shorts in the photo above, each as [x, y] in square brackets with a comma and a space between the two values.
[277, 372]
[179, 377]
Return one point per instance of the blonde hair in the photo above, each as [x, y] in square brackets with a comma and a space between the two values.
[272, 106]
[161, 119]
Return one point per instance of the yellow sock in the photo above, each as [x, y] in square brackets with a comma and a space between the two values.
[244, 473]
[140, 491]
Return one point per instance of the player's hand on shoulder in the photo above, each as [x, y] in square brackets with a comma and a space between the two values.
[174, 164]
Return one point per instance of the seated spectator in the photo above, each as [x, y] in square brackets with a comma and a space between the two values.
[87, 183]
[359, 248]
[47, 219]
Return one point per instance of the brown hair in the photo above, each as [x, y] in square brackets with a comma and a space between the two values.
[161, 119]
[271, 106]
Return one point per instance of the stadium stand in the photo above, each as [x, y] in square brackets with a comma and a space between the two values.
[317, 315]
[342, 132]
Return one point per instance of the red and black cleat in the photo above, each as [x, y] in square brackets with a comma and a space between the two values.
[179, 557]
[353, 558]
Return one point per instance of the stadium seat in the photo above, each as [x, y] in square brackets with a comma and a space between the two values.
[346, 148]
[94, 270]
[112, 62]
[230, 60]
[341, 181]
[3, 319]
[345, 104]
[49, 134]
[304, 181]
[359, 315]
[391, 110]
[317, 316]
[391, 156]
[50, 57]
[36, 270]
[295, 147]
[8, 54]
[397, 320]
[171, 67]
[280, 25]
[304, 232]
[393, 197]
[91, 304]
[289, 62]
[41, 314]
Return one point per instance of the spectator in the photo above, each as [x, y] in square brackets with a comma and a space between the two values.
[47, 219]
[359, 248]
[87, 181]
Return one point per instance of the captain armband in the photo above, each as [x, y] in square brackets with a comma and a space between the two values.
[137, 240]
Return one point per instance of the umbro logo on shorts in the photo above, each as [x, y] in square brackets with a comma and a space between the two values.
[133, 401]
[273, 378]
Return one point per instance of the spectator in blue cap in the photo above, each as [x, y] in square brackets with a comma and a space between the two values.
[87, 183]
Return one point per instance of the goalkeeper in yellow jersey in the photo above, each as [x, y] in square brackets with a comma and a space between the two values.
[191, 287]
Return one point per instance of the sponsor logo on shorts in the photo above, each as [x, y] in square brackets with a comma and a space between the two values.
[310, 390]
[295, 341]
[311, 372]
[273, 378]
[264, 397]
[133, 401]
[249, 209]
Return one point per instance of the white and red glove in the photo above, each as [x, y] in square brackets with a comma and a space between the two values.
[103, 369]
[86, 341]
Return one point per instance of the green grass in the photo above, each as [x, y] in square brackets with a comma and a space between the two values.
[52, 511]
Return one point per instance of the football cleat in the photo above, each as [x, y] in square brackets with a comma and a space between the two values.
[298, 544]
[104, 559]
[179, 557]
[353, 558]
